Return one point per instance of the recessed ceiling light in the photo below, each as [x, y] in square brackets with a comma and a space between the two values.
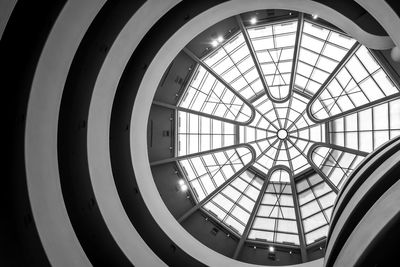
[271, 249]
[253, 20]
[315, 16]
[181, 182]
[220, 39]
[184, 187]
[214, 43]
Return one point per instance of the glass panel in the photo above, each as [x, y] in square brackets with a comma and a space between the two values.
[274, 48]
[360, 81]
[233, 62]
[207, 172]
[276, 212]
[336, 165]
[315, 198]
[365, 130]
[320, 52]
[233, 205]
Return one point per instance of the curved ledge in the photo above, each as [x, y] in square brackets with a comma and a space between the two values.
[366, 195]
[380, 217]
[58, 237]
[371, 162]
[385, 15]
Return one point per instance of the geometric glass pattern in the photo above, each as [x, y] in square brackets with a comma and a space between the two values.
[207, 95]
[234, 64]
[274, 47]
[360, 82]
[207, 172]
[234, 204]
[316, 201]
[275, 219]
[321, 50]
[334, 164]
[244, 148]
[367, 129]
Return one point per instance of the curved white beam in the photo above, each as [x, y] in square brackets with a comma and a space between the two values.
[357, 197]
[368, 230]
[389, 20]
[98, 136]
[58, 238]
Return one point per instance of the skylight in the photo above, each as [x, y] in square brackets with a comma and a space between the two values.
[273, 121]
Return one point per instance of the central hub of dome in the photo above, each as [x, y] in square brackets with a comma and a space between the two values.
[282, 134]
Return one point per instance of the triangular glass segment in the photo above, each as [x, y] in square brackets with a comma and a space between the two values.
[208, 171]
[274, 47]
[334, 164]
[297, 154]
[359, 83]
[321, 50]
[316, 201]
[234, 204]
[367, 129]
[233, 63]
[266, 155]
[275, 220]
[207, 95]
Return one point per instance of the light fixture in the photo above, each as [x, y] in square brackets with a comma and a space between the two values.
[271, 249]
[315, 16]
[184, 187]
[253, 20]
[214, 43]
[220, 39]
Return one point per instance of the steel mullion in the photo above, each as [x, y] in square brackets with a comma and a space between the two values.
[199, 113]
[256, 62]
[317, 200]
[309, 159]
[319, 55]
[213, 193]
[339, 66]
[218, 77]
[251, 218]
[299, 220]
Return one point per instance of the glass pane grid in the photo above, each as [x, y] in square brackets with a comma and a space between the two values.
[275, 219]
[282, 134]
[367, 129]
[316, 199]
[361, 81]
[320, 52]
[233, 62]
[207, 95]
[207, 172]
[274, 48]
[233, 205]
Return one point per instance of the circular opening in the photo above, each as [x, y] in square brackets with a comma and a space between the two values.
[282, 134]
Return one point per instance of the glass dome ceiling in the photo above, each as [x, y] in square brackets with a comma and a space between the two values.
[272, 122]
